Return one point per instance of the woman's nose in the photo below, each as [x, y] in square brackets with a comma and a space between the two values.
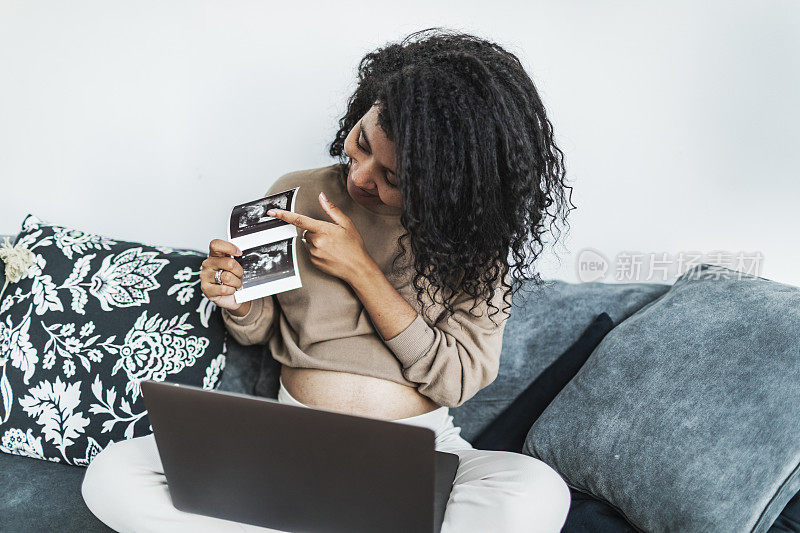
[364, 183]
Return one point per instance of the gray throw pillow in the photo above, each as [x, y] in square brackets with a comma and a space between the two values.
[687, 415]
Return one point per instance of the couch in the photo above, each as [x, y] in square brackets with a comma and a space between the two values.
[41, 496]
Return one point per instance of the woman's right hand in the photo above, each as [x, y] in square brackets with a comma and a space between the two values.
[219, 258]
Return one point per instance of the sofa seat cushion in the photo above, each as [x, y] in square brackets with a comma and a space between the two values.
[587, 514]
[43, 496]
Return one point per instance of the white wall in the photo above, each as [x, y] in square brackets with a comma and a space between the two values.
[148, 120]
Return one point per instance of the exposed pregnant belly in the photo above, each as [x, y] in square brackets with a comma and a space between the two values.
[355, 394]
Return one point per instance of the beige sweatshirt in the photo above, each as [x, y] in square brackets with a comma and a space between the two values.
[323, 324]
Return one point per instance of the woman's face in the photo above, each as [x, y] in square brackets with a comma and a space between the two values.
[372, 163]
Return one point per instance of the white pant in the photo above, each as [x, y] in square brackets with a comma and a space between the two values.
[125, 487]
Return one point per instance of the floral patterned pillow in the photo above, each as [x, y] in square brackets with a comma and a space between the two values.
[85, 318]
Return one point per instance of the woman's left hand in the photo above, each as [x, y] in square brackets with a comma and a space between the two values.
[335, 248]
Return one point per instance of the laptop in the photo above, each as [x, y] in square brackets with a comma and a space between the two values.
[255, 460]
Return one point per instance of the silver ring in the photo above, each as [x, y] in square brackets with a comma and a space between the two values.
[218, 277]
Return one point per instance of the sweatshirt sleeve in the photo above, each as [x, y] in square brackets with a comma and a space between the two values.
[451, 362]
[257, 326]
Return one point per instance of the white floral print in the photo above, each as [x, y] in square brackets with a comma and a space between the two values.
[53, 405]
[213, 371]
[156, 347]
[18, 346]
[124, 279]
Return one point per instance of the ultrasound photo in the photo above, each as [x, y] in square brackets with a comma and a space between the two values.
[252, 217]
[266, 263]
[269, 252]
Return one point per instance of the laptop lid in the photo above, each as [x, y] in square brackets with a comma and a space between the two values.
[254, 460]
[445, 474]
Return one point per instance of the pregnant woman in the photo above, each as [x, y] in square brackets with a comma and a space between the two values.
[447, 177]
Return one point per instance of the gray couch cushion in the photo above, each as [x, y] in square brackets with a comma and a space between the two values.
[685, 417]
[543, 324]
[43, 496]
[242, 366]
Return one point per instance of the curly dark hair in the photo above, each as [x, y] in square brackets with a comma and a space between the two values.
[476, 163]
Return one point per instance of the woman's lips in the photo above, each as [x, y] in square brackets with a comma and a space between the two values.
[362, 191]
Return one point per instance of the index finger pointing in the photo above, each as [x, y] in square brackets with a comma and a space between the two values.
[220, 248]
[301, 221]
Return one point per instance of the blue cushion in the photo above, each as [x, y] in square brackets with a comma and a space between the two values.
[685, 417]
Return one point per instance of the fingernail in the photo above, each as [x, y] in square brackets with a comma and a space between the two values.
[238, 251]
[324, 198]
[271, 212]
